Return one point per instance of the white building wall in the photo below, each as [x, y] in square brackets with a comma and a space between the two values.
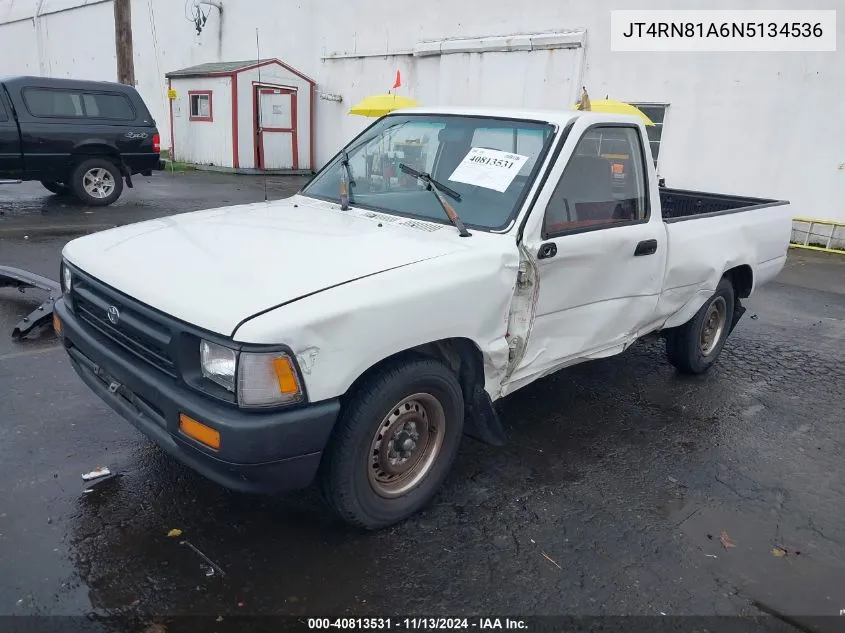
[747, 123]
[765, 124]
[58, 38]
[203, 142]
[18, 59]
[91, 52]
[272, 74]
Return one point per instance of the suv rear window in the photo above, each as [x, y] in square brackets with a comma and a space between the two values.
[50, 102]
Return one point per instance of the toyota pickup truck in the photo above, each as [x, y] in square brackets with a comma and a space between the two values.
[79, 138]
[353, 333]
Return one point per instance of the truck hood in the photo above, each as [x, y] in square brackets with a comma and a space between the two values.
[215, 268]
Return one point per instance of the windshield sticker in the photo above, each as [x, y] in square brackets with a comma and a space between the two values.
[488, 168]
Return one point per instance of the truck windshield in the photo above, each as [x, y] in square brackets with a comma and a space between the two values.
[490, 162]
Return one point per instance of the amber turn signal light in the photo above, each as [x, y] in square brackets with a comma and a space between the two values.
[285, 375]
[199, 431]
[57, 324]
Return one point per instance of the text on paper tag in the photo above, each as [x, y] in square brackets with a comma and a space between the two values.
[488, 168]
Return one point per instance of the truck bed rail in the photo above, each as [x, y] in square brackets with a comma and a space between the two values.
[680, 204]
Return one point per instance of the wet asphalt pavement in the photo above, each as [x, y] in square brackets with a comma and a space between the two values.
[625, 488]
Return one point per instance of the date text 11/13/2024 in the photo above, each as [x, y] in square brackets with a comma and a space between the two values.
[417, 623]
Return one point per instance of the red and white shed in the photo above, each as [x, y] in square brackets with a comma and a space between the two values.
[245, 115]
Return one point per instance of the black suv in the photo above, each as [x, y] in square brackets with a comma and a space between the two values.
[77, 137]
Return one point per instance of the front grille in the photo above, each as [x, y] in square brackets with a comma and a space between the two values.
[134, 332]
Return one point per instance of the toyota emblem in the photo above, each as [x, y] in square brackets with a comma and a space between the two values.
[114, 314]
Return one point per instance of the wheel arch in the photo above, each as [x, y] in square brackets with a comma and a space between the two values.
[464, 357]
[93, 148]
[742, 278]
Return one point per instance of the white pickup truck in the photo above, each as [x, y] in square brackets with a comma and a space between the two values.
[447, 257]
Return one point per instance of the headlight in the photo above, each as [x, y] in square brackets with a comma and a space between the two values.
[67, 279]
[267, 379]
[218, 364]
[264, 379]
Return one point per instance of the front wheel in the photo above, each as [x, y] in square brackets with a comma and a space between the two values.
[97, 182]
[693, 347]
[394, 443]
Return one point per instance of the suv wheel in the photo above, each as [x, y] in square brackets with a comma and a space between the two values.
[394, 443]
[97, 182]
[58, 188]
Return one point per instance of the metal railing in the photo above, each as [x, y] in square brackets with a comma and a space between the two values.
[812, 240]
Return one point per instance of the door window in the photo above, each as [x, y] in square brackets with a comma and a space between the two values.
[3, 115]
[603, 185]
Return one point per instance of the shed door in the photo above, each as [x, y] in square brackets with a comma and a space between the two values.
[276, 142]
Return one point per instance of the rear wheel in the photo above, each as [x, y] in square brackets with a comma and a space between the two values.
[394, 443]
[58, 188]
[97, 182]
[693, 347]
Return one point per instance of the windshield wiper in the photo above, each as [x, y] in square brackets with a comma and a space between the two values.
[436, 188]
[346, 183]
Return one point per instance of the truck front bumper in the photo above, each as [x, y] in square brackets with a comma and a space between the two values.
[261, 452]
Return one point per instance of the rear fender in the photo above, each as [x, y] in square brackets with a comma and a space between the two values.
[100, 148]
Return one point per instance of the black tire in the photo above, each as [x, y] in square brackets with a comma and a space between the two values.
[687, 347]
[348, 471]
[57, 188]
[80, 181]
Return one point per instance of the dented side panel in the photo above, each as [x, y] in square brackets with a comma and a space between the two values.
[341, 332]
[702, 249]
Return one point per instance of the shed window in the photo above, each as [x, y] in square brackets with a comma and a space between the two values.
[44, 102]
[657, 113]
[200, 105]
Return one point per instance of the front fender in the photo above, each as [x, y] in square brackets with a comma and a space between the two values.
[340, 333]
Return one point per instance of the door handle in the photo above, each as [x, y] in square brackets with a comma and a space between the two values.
[549, 249]
[646, 247]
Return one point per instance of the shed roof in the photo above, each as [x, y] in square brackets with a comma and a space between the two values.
[212, 69]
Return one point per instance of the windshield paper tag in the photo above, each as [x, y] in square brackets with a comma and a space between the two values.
[489, 168]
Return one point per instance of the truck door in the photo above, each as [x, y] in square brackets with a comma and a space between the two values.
[10, 144]
[599, 247]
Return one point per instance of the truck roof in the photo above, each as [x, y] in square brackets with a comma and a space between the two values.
[556, 117]
[56, 82]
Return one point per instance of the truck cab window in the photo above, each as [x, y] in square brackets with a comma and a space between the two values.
[3, 115]
[603, 184]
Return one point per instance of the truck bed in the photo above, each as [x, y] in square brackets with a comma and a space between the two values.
[680, 204]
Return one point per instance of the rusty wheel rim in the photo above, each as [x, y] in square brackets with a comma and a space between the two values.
[406, 445]
[714, 325]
